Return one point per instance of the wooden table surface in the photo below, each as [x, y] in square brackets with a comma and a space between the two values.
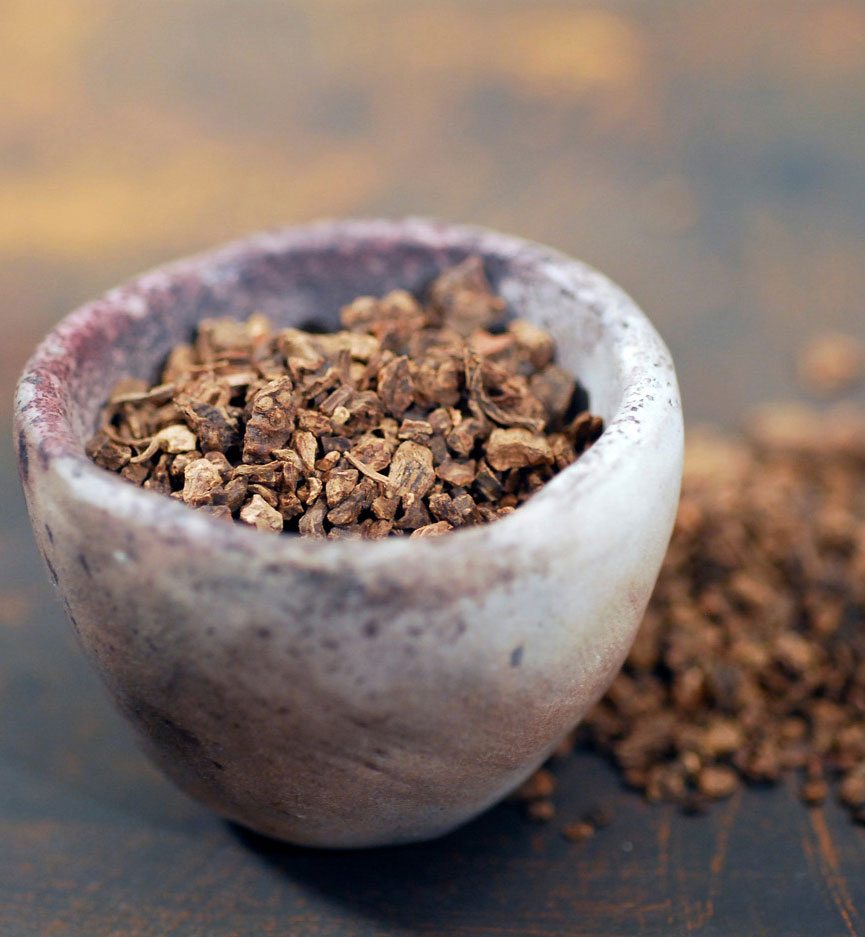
[709, 155]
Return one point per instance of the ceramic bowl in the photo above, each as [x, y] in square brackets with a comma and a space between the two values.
[351, 694]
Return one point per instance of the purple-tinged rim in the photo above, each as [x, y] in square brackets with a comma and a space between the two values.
[44, 407]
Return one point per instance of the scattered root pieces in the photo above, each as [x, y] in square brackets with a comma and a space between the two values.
[537, 795]
[750, 663]
[596, 819]
[413, 420]
[832, 364]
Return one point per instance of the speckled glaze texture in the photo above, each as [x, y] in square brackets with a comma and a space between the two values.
[353, 693]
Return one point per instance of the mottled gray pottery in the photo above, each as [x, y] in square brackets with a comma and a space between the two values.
[342, 693]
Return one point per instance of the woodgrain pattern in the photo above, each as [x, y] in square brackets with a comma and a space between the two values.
[707, 155]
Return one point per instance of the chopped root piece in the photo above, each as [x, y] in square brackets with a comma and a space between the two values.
[259, 514]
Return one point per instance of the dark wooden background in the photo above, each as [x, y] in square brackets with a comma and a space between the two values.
[708, 154]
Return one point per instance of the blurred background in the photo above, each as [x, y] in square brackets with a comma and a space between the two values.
[709, 155]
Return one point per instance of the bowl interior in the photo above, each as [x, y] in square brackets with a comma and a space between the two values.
[304, 281]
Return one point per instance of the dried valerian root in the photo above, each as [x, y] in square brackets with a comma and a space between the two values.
[415, 419]
[750, 663]
[536, 794]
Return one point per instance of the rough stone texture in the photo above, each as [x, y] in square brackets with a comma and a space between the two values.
[350, 694]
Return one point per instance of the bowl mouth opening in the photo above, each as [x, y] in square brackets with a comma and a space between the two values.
[44, 430]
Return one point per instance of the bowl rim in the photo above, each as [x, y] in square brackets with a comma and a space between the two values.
[42, 429]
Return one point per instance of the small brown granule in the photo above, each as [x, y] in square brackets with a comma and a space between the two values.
[541, 811]
[258, 513]
[815, 791]
[832, 363]
[517, 448]
[595, 819]
[852, 787]
[578, 832]
[717, 781]
[432, 530]
[414, 419]
[541, 784]
[108, 453]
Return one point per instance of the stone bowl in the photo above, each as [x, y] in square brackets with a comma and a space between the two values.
[349, 694]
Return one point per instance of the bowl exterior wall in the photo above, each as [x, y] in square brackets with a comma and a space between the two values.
[363, 694]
